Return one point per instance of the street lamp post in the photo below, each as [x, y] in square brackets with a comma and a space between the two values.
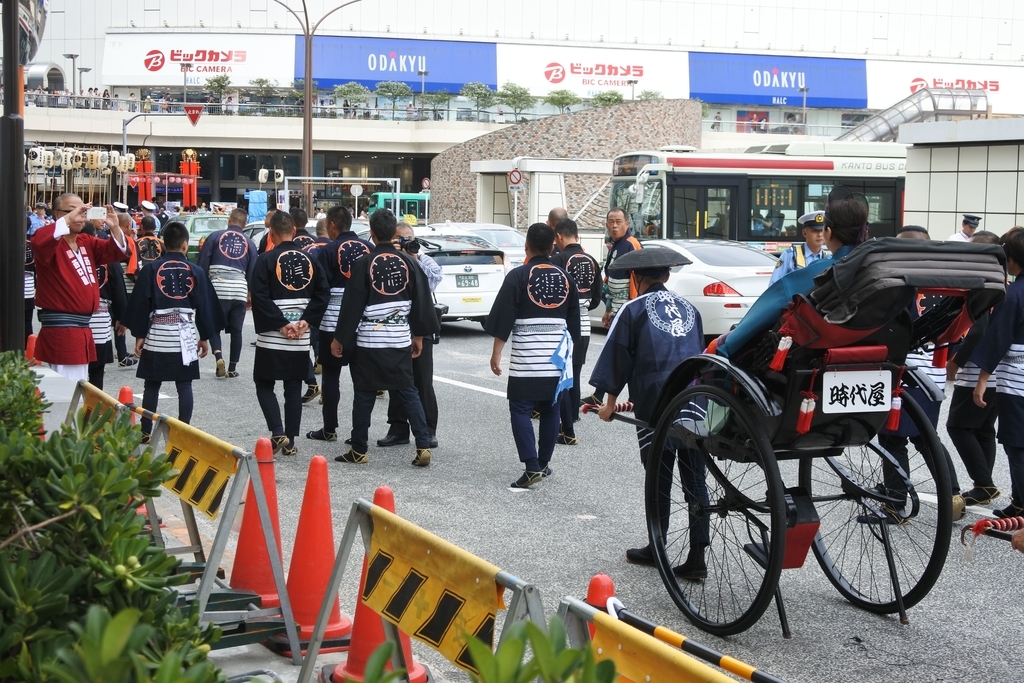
[423, 73]
[185, 67]
[632, 92]
[803, 91]
[74, 63]
[308, 31]
[82, 70]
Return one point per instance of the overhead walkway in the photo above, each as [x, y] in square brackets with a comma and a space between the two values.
[922, 105]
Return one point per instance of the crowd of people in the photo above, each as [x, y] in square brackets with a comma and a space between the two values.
[367, 305]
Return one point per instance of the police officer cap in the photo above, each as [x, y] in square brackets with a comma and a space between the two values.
[148, 205]
[651, 258]
[814, 220]
[972, 220]
[41, 205]
[120, 207]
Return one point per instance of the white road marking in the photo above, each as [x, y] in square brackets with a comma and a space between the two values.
[973, 509]
[474, 387]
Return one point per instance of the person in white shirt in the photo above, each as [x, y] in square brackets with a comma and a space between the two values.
[967, 228]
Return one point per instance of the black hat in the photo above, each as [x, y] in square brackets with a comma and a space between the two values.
[972, 220]
[650, 259]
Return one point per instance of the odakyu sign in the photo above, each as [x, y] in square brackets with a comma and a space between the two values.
[448, 65]
[776, 80]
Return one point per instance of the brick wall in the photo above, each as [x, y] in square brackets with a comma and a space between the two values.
[589, 134]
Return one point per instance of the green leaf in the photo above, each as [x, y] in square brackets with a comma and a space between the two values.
[374, 672]
[117, 633]
[91, 509]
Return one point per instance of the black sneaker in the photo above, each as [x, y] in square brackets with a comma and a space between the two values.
[981, 495]
[353, 457]
[422, 458]
[321, 435]
[566, 440]
[1010, 510]
[526, 480]
[641, 556]
[312, 391]
[694, 569]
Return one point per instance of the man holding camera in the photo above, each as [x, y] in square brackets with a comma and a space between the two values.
[384, 317]
[337, 258]
[422, 365]
[67, 292]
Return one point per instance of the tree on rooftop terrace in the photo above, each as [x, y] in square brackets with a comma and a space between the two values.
[479, 93]
[262, 88]
[563, 99]
[218, 85]
[606, 98]
[299, 86]
[436, 100]
[516, 97]
[393, 91]
[352, 91]
[650, 95]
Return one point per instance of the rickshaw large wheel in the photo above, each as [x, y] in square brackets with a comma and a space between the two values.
[723, 489]
[861, 491]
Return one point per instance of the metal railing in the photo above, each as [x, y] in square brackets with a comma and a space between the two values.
[774, 128]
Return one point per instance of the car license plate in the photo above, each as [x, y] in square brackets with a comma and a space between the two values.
[472, 299]
[467, 280]
[856, 391]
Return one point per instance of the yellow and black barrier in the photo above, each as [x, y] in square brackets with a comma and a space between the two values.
[207, 468]
[424, 586]
[647, 652]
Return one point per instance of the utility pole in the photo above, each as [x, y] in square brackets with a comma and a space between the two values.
[74, 85]
[12, 187]
[423, 73]
[185, 67]
[308, 31]
[803, 91]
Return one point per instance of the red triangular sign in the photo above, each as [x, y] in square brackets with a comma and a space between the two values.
[193, 112]
[133, 181]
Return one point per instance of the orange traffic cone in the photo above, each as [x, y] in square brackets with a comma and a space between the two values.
[367, 630]
[30, 350]
[310, 571]
[251, 570]
[127, 398]
[600, 589]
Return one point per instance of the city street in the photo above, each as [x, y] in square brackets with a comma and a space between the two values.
[580, 522]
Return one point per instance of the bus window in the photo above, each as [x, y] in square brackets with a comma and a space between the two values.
[684, 213]
[718, 215]
[644, 220]
[773, 208]
[881, 211]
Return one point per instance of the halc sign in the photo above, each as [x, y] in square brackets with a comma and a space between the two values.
[778, 81]
[449, 65]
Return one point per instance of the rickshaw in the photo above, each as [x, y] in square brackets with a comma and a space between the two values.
[826, 397]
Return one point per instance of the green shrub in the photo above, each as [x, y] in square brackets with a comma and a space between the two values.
[75, 568]
[20, 406]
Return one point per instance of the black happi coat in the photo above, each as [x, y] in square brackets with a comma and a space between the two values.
[387, 303]
[287, 285]
[170, 293]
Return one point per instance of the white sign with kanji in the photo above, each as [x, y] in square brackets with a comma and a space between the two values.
[856, 391]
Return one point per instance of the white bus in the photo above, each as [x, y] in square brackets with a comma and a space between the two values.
[755, 196]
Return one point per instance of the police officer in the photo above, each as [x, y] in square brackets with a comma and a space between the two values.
[812, 227]
[967, 228]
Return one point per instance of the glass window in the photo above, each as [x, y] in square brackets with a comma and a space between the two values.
[164, 163]
[268, 162]
[645, 219]
[227, 166]
[247, 167]
[718, 221]
[730, 255]
[774, 208]
[684, 213]
[205, 224]
[291, 164]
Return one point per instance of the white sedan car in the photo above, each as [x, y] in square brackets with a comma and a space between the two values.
[723, 281]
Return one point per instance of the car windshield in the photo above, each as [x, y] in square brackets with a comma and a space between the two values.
[731, 255]
[461, 250]
[204, 225]
[504, 238]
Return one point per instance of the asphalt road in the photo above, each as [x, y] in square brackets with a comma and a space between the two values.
[580, 521]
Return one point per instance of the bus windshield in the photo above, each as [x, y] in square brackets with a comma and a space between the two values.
[645, 219]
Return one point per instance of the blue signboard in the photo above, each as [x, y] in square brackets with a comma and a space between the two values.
[449, 64]
[777, 81]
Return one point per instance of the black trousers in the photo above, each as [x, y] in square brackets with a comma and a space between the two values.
[423, 377]
[331, 376]
[151, 399]
[30, 307]
[314, 343]
[272, 411]
[972, 430]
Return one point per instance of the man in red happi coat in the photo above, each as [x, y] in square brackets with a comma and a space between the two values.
[67, 293]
